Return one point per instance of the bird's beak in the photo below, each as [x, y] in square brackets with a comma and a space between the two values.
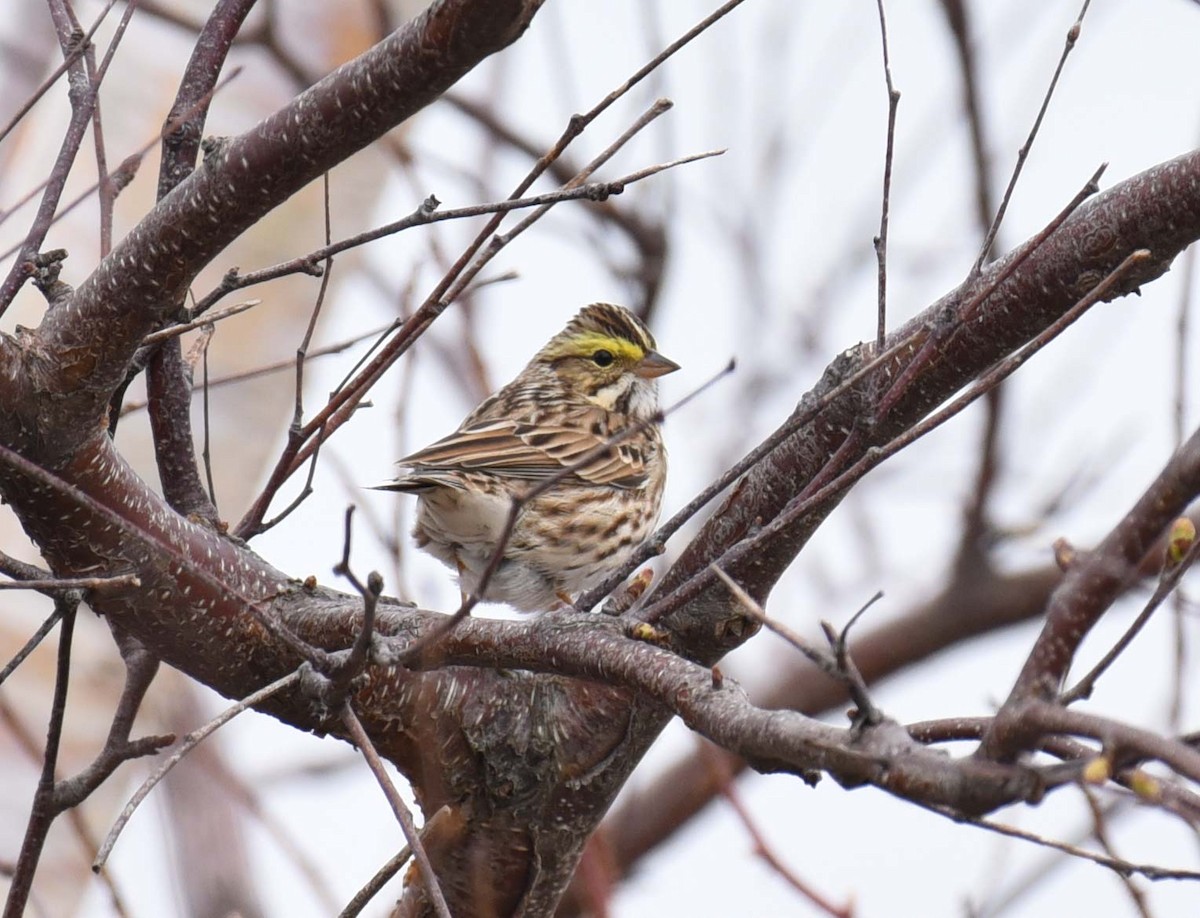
[654, 364]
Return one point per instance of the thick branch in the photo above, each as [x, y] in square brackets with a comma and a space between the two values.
[82, 348]
[1091, 585]
[1158, 210]
[168, 380]
[524, 765]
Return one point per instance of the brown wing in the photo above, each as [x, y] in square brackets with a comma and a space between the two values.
[525, 450]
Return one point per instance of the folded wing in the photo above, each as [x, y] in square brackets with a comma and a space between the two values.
[535, 450]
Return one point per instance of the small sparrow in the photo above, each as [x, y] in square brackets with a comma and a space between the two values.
[593, 381]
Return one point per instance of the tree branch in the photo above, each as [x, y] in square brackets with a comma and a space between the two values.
[242, 178]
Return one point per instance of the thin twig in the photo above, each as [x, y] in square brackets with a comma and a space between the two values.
[1170, 579]
[1100, 831]
[203, 342]
[372, 887]
[302, 350]
[835, 483]
[428, 213]
[881, 239]
[108, 188]
[277, 367]
[59, 584]
[359, 656]
[295, 429]
[816, 655]
[941, 336]
[42, 812]
[764, 850]
[1023, 153]
[29, 646]
[185, 746]
[805, 414]
[72, 56]
[174, 331]
[359, 736]
[1182, 363]
[656, 110]
[867, 713]
[1118, 865]
[141, 666]
[83, 97]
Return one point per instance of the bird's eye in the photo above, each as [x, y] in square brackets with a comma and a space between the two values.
[602, 358]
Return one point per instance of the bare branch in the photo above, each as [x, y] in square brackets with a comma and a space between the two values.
[185, 745]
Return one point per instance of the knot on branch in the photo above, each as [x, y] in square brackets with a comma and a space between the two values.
[213, 148]
[327, 692]
[45, 272]
[78, 42]
[602, 191]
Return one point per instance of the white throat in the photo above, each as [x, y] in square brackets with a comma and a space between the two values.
[631, 395]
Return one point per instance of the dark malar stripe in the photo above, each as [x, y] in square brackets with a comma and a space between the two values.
[621, 405]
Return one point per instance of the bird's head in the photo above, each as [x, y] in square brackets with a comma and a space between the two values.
[607, 356]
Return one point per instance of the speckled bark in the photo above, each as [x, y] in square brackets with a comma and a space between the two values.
[83, 347]
[514, 768]
[1158, 210]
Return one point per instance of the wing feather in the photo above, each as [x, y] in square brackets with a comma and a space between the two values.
[533, 451]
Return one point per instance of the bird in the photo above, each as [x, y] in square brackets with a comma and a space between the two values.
[580, 421]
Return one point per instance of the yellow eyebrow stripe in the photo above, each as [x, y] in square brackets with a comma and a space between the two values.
[588, 343]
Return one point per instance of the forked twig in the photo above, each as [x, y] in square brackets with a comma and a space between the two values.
[1166, 586]
[185, 746]
[867, 714]
[348, 669]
